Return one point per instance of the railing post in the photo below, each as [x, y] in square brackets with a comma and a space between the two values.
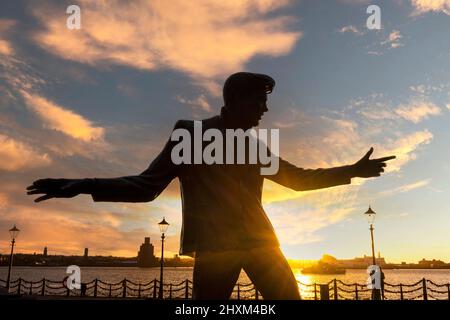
[256, 293]
[139, 290]
[43, 287]
[170, 291]
[401, 291]
[19, 286]
[110, 289]
[324, 292]
[95, 287]
[186, 292]
[315, 291]
[448, 289]
[154, 289]
[124, 288]
[31, 287]
[83, 290]
[356, 291]
[424, 287]
[335, 290]
[239, 291]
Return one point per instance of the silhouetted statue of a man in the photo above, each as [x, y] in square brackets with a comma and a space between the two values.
[224, 224]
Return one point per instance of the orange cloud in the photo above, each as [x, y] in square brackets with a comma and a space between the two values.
[198, 104]
[423, 6]
[5, 45]
[393, 39]
[418, 110]
[352, 29]
[202, 38]
[296, 221]
[58, 118]
[68, 226]
[3, 200]
[5, 48]
[17, 155]
[404, 148]
[406, 188]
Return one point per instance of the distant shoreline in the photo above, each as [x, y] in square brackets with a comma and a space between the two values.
[190, 267]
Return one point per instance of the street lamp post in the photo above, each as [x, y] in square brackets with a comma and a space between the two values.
[163, 225]
[370, 214]
[14, 232]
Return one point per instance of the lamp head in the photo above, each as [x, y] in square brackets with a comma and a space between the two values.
[370, 215]
[14, 232]
[163, 225]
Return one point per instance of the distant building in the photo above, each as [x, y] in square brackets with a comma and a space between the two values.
[146, 257]
[362, 262]
[45, 252]
[431, 263]
[86, 252]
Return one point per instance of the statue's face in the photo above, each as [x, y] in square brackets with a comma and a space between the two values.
[251, 109]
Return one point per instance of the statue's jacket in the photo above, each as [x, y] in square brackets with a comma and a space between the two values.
[221, 203]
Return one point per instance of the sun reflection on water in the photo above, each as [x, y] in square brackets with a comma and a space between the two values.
[305, 283]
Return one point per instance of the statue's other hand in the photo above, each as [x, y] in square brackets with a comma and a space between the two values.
[367, 168]
[55, 188]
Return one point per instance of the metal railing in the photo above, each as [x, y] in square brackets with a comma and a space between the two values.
[335, 290]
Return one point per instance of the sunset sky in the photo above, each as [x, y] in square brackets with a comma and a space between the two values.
[101, 102]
